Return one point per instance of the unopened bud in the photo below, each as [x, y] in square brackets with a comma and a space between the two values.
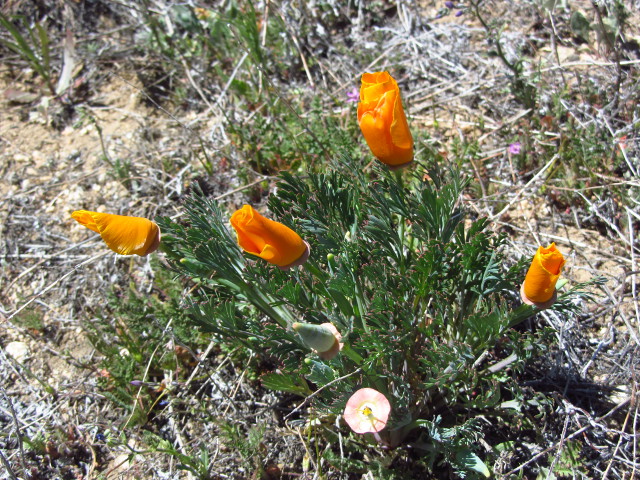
[318, 337]
[331, 260]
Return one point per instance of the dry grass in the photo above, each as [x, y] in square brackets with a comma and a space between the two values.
[55, 275]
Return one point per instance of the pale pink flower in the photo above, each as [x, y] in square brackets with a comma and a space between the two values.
[367, 411]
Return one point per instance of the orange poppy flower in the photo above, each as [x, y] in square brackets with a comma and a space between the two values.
[272, 241]
[122, 234]
[367, 411]
[539, 285]
[382, 120]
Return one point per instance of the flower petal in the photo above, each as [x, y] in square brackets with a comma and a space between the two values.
[123, 234]
[540, 282]
[272, 241]
[363, 401]
[382, 119]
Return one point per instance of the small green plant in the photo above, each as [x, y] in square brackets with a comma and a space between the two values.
[423, 300]
[566, 463]
[279, 139]
[133, 339]
[122, 170]
[198, 464]
[248, 445]
[31, 319]
[523, 89]
[34, 47]
[253, 61]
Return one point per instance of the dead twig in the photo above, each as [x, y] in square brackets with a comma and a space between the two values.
[308, 399]
[16, 424]
[55, 282]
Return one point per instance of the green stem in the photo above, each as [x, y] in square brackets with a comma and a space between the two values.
[314, 270]
[262, 302]
[489, 30]
[352, 354]
[520, 314]
[360, 302]
[401, 226]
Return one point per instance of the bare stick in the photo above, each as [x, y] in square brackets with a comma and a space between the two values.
[559, 443]
[8, 466]
[53, 284]
[306, 400]
[18, 434]
[535, 177]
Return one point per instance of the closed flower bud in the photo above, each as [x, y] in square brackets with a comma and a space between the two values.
[324, 339]
[272, 241]
[539, 287]
[122, 234]
[331, 261]
[382, 120]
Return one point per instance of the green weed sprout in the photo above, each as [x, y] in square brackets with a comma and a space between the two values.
[418, 295]
[34, 48]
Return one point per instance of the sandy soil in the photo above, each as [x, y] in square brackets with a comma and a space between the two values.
[56, 275]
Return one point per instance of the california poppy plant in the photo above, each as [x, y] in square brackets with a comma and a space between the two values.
[123, 234]
[272, 241]
[324, 339]
[539, 287]
[382, 120]
[367, 411]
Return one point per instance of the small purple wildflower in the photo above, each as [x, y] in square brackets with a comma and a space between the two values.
[353, 95]
[514, 148]
[449, 4]
[459, 13]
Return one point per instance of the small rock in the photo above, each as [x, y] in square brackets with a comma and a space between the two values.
[18, 350]
[620, 395]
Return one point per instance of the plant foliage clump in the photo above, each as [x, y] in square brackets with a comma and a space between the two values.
[424, 301]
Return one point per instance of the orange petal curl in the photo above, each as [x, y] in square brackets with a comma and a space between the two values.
[382, 120]
[122, 234]
[540, 282]
[272, 241]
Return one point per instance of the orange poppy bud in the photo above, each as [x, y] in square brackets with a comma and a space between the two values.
[122, 234]
[539, 287]
[272, 241]
[367, 411]
[382, 120]
[324, 339]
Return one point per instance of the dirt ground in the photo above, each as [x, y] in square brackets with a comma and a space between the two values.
[58, 155]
